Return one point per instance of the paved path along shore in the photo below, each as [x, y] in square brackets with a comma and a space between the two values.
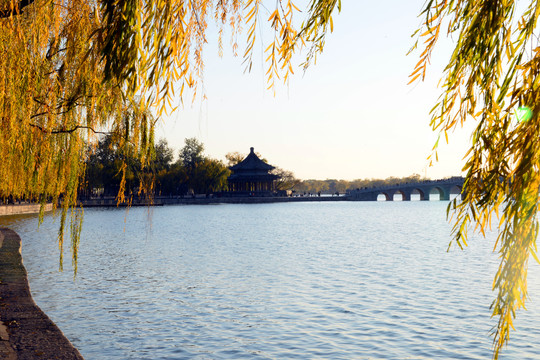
[26, 332]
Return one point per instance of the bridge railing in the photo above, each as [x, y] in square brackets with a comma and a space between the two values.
[453, 180]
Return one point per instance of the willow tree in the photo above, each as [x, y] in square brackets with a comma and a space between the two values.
[73, 69]
[492, 78]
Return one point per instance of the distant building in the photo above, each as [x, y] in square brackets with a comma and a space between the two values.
[251, 177]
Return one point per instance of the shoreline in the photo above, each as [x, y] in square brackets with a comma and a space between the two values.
[18, 209]
[162, 200]
[26, 332]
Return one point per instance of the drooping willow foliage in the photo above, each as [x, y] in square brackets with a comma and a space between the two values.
[492, 78]
[73, 69]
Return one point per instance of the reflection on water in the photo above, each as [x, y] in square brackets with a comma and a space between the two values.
[276, 281]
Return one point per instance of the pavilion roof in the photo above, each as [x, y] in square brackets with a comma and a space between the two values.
[251, 163]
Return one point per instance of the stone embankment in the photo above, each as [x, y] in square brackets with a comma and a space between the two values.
[17, 209]
[25, 331]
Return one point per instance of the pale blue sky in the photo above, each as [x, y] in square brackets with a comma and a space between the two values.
[352, 115]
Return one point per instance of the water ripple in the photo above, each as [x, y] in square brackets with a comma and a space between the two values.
[275, 281]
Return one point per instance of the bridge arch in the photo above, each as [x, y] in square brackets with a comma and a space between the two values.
[420, 190]
[443, 192]
[455, 192]
[399, 195]
[418, 194]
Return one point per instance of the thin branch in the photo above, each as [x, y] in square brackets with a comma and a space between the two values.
[201, 30]
[16, 10]
[38, 101]
[49, 56]
[38, 114]
[68, 131]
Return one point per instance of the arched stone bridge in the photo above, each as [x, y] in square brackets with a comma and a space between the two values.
[423, 188]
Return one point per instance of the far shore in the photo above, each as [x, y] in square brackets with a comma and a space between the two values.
[207, 200]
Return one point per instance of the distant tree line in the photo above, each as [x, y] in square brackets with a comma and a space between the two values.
[331, 186]
[192, 172]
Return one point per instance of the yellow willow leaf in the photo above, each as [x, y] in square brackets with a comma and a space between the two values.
[414, 78]
[428, 32]
[479, 113]
[417, 67]
[250, 16]
[273, 44]
[251, 13]
[270, 56]
[510, 321]
[424, 56]
[433, 18]
[274, 16]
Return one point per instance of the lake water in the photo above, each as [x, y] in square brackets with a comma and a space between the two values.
[345, 280]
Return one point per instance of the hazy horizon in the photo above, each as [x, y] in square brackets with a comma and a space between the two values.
[352, 115]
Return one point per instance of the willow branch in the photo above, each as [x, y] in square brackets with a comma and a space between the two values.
[69, 131]
[201, 30]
